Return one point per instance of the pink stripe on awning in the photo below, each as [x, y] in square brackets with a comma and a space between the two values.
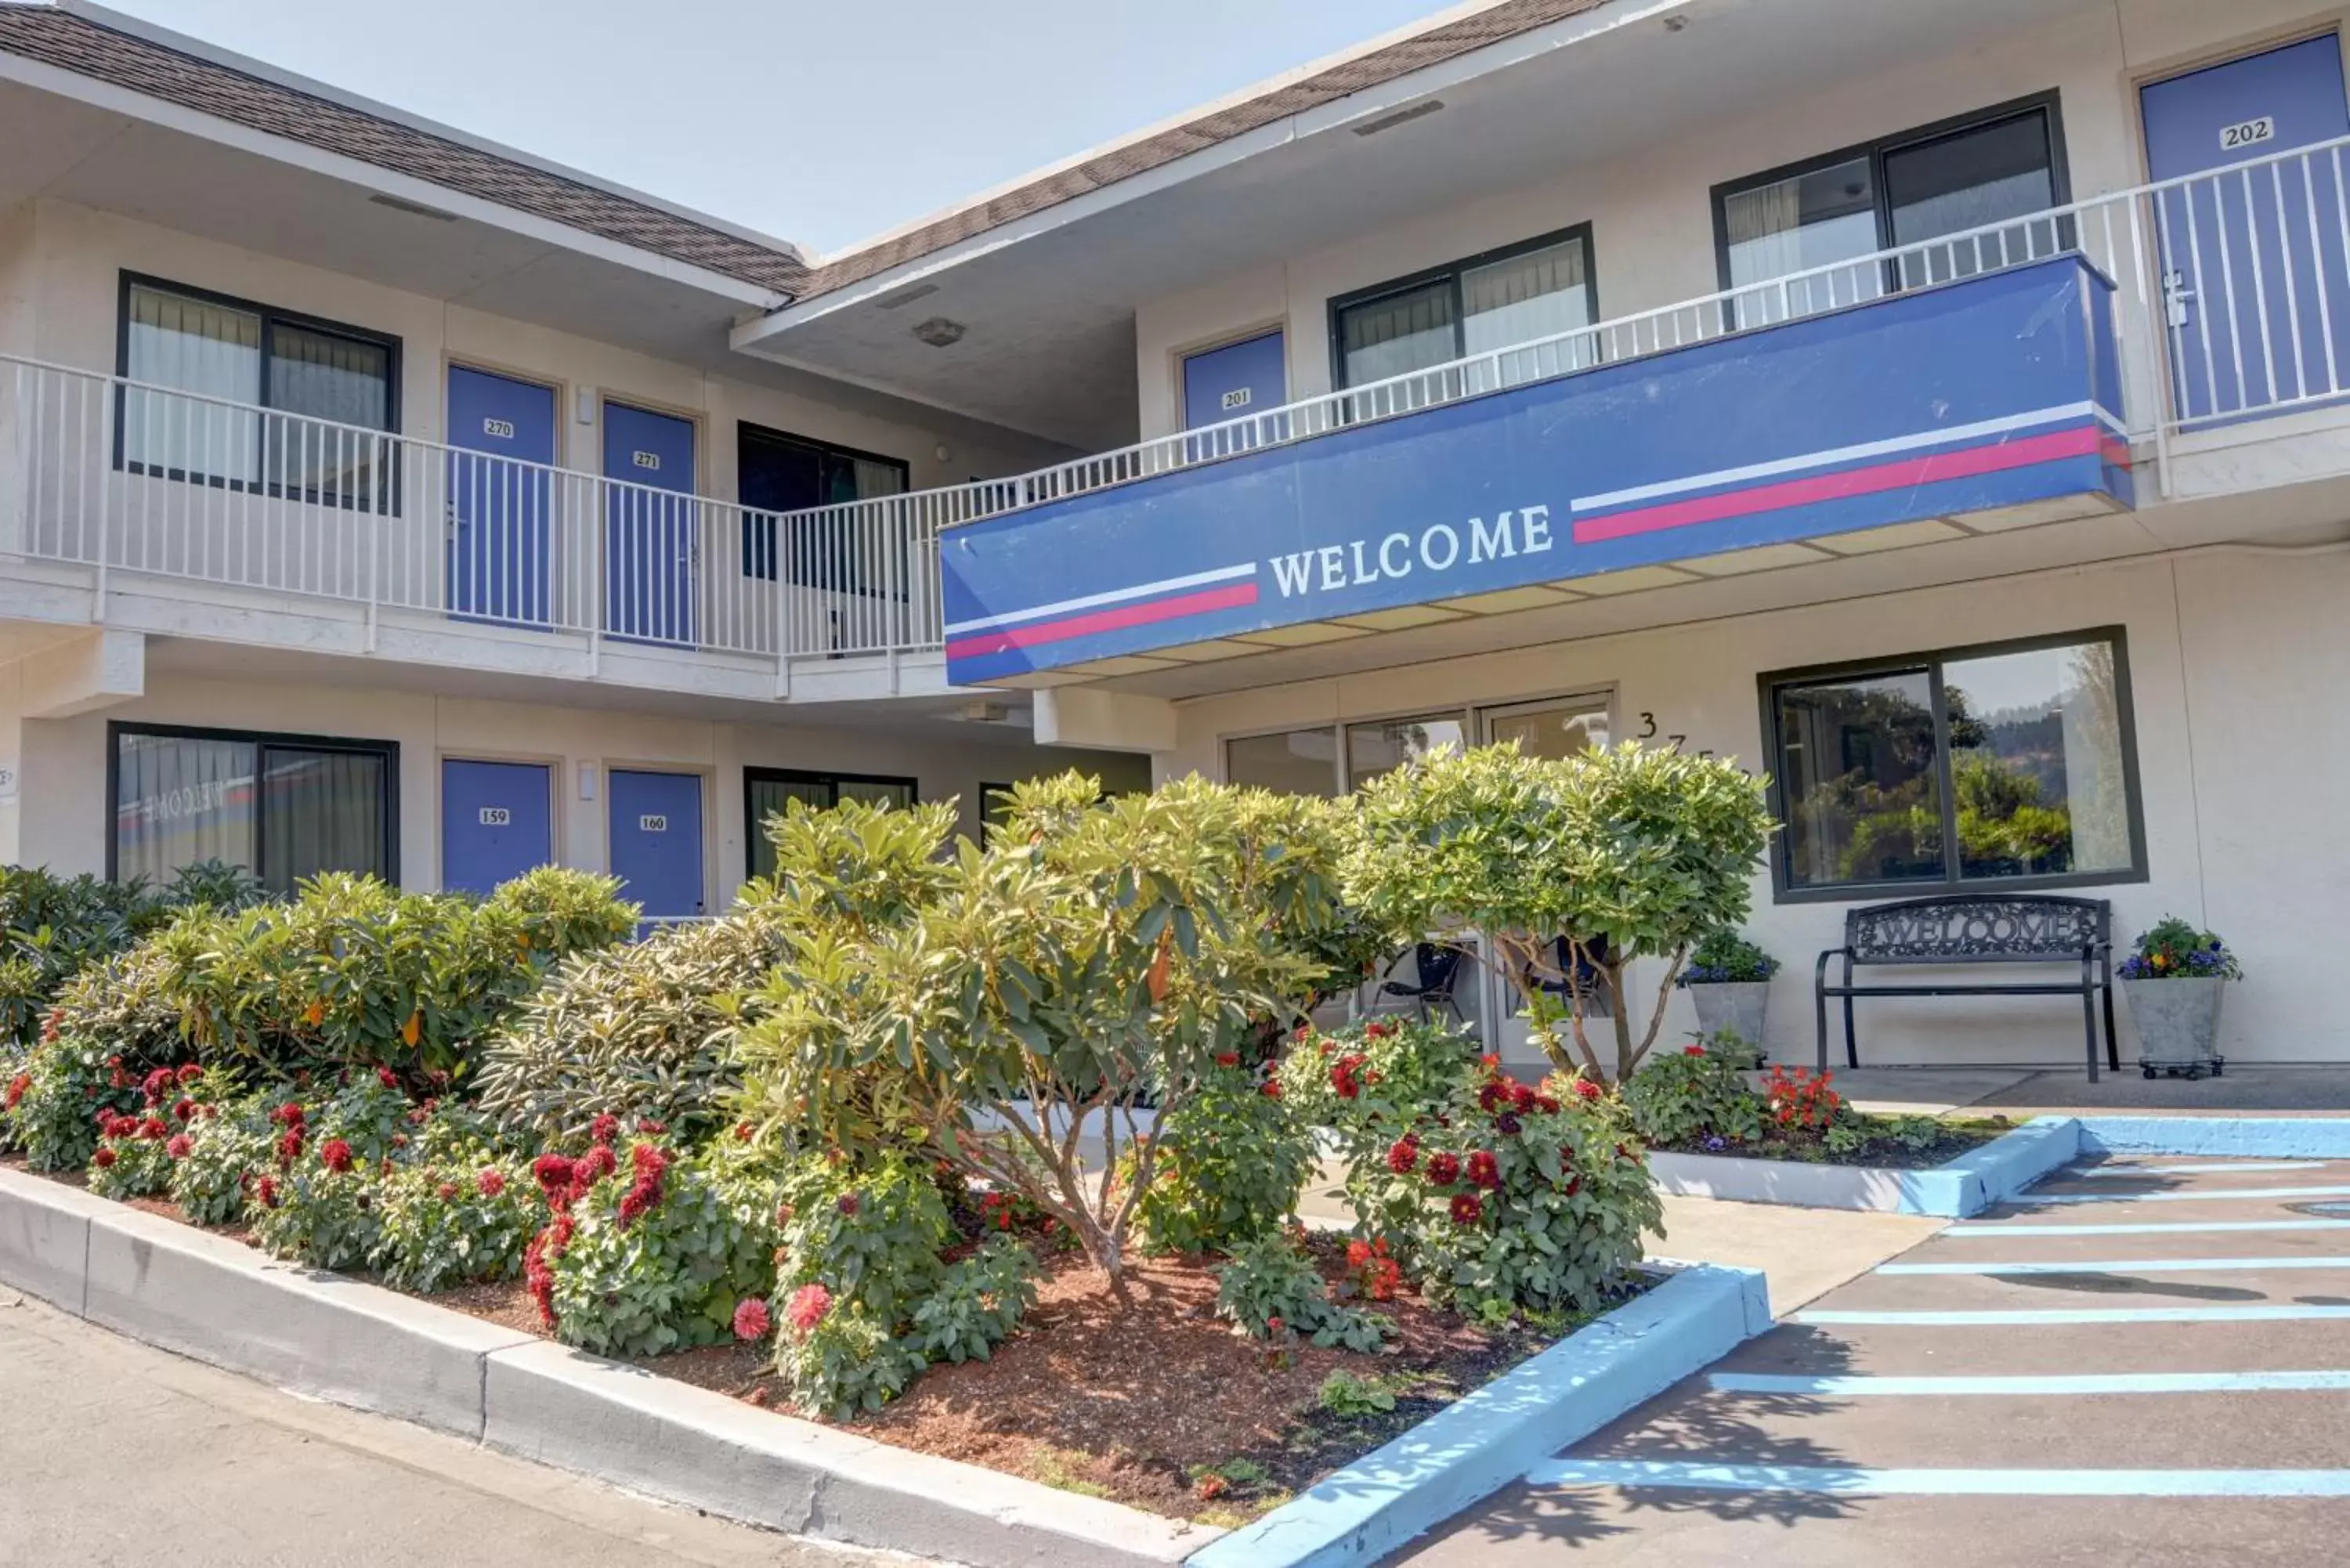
[1110, 619]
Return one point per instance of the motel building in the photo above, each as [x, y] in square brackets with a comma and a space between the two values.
[1942, 409]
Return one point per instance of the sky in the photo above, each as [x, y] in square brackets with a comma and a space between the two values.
[822, 121]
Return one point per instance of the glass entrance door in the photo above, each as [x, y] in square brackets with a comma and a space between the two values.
[1559, 727]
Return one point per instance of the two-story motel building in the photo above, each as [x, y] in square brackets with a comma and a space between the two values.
[1944, 409]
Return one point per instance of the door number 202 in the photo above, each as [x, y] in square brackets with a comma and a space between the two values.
[2245, 132]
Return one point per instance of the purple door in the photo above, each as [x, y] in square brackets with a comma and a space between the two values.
[2255, 279]
[651, 525]
[496, 823]
[657, 841]
[1235, 382]
[498, 500]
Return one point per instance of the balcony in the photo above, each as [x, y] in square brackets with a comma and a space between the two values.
[148, 509]
[1986, 381]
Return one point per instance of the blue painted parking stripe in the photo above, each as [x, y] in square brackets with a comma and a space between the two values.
[2146, 1228]
[2049, 1316]
[1858, 1387]
[2203, 1166]
[2222, 1195]
[2122, 1266]
[1846, 1480]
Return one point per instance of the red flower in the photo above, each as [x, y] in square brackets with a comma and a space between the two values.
[1378, 1030]
[288, 1114]
[1545, 1104]
[552, 1172]
[16, 1087]
[1483, 1171]
[446, 1192]
[752, 1323]
[1210, 1487]
[190, 1074]
[649, 1128]
[490, 1183]
[1228, 1058]
[742, 1132]
[266, 1190]
[1443, 1169]
[647, 1162]
[807, 1307]
[1357, 1254]
[593, 1167]
[604, 1128]
[102, 1159]
[1273, 1089]
[386, 1077]
[1467, 1209]
[1693, 1050]
[160, 1083]
[1585, 1089]
[184, 1108]
[1403, 1154]
[335, 1155]
[155, 1130]
[1523, 1098]
[848, 1203]
[1491, 1062]
[1342, 1076]
[180, 1147]
[1273, 1325]
[1507, 1124]
[290, 1147]
[1493, 1094]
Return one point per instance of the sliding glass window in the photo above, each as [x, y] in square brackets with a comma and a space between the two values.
[1953, 178]
[2007, 766]
[769, 792]
[1479, 305]
[285, 808]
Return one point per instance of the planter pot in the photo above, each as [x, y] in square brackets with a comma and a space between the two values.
[1736, 1005]
[2178, 1020]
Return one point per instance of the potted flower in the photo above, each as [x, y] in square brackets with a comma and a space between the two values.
[1729, 979]
[2175, 981]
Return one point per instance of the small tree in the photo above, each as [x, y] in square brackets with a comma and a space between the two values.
[999, 1008]
[1627, 854]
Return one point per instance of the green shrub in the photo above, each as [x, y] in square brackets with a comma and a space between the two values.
[976, 1303]
[642, 1030]
[133, 1158]
[136, 1001]
[53, 929]
[231, 1144]
[648, 1257]
[319, 1209]
[1370, 1084]
[446, 1226]
[838, 1362]
[1272, 1291]
[1726, 956]
[872, 1238]
[1234, 1163]
[1695, 1094]
[64, 1083]
[1545, 1198]
[1343, 1394]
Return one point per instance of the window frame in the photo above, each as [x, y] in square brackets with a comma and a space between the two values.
[749, 430]
[1339, 303]
[1931, 662]
[753, 824]
[383, 496]
[261, 741]
[1471, 714]
[2060, 180]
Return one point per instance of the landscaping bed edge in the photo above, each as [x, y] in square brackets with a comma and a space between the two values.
[2272, 1137]
[1471, 1448]
[216, 1300]
[1954, 1191]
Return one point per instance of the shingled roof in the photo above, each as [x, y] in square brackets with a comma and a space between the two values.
[76, 42]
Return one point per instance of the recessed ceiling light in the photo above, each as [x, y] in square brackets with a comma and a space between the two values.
[939, 332]
[1426, 106]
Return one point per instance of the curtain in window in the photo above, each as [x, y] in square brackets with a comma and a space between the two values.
[320, 811]
[1795, 225]
[191, 345]
[321, 375]
[1538, 295]
[1397, 334]
[179, 800]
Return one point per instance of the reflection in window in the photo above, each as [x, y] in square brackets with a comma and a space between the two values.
[769, 792]
[1534, 293]
[1552, 730]
[2029, 769]
[1298, 762]
[283, 810]
[1385, 746]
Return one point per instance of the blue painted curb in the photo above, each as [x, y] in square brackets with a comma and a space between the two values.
[1999, 1169]
[1472, 1448]
[2282, 1137]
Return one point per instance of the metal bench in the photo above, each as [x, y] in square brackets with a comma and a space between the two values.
[1977, 929]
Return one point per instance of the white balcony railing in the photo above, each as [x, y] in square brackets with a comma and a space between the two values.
[2232, 299]
[138, 480]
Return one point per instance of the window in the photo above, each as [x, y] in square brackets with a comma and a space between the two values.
[283, 807]
[239, 395]
[842, 551]
[766, 792]
[994, 804]
[2011, 766]
[2004, 164]
[1486, 302]
[1309, 761]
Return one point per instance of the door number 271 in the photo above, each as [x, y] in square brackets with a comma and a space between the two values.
[2245, 132]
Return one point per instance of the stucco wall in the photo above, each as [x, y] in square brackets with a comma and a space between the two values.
[61, 816]
[2237, 663]
[1653, 238]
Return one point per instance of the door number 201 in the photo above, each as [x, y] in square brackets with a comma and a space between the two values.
[2245, 132]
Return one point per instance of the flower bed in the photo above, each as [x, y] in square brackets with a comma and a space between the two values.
[1703, 1100]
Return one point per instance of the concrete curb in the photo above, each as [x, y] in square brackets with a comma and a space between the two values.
[1470, 1450]
[1962, 1186]
[2267, 1138]
[217, 1301]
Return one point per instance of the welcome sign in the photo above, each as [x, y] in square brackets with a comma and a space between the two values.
[1990, 392]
